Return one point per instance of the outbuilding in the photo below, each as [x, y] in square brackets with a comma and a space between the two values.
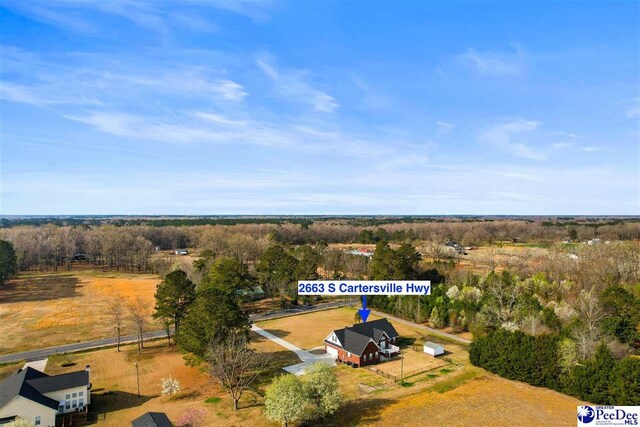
[433, 349]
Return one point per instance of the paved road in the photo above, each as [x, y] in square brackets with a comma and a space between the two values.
[43, 353]
[426, 328]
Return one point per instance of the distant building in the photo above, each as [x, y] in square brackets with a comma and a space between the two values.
[253, 294]
[361, 252]
[433, 348]
[181, 252]
[46, 400]
[456, 246]
[152, 419]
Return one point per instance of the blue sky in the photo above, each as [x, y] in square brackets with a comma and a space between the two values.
[327, 107]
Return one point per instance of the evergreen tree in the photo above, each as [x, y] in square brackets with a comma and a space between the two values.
[173, 296]
[228, 275]
[624, 386]
[214, 315]
[8, 265]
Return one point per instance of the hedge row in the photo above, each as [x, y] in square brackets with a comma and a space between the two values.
[535, 360]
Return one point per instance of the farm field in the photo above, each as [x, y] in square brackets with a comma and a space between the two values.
[47, 309]
[485, 400]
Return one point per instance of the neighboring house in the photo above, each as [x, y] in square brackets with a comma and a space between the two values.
[456, 246]
[152, 419]
[181, 252]
[361, 252]
[39, 398]
[364, 343]
[253, 294]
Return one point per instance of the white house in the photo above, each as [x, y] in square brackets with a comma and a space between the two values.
[433, 349]
[39, 398]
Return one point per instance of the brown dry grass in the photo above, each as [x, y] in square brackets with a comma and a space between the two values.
[412, 361]
[309, 330]
[487, 400]
[114, 395]
[47, 309]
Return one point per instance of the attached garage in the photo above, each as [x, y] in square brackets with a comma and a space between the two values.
[433, 349]
[332, 351]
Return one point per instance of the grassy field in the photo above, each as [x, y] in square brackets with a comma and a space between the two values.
[411, 362]
[485, 400]
[458, 394]
[114, 394]
[305, 332]
[46, 309]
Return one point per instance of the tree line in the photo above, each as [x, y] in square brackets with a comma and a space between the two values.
[129, 246]
[544, 361]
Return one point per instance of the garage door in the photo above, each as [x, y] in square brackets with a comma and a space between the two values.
[332, 351]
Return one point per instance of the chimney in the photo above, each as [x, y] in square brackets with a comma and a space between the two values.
[88, 369]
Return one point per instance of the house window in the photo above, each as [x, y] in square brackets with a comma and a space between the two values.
[37, 421]
[81, 403]
[61, 407]
[81, 394]
[74, 404]
[68, 396]
[370, 356]
[67, 405]
[75, 395]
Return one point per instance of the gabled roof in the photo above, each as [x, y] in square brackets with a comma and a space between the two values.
[152, 419]
[18, 385]
[33, 384]
[354, 339]
[48, 384]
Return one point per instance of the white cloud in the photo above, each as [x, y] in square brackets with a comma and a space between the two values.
[591, 149]
[495, 63]
[230, 90]
[444, 127]
[293, 85]
[510, 137]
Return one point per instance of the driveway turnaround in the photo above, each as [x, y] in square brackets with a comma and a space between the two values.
[307, 358]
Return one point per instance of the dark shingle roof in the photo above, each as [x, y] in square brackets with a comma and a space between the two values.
[152, 419]
[354, 339]
[48, 384]
[18, 384]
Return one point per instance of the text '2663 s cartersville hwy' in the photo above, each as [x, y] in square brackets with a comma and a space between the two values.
[364, 287]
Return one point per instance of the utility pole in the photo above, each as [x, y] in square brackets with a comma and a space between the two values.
[137, 377]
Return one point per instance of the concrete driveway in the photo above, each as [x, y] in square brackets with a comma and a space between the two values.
[307, 358]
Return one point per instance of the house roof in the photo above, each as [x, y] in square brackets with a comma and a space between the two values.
[48, 384]
[354, 339]
[32, 384]
[432, 345]
[152, 419]
[18, 385]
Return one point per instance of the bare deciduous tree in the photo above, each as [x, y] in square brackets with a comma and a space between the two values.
[139, 311]
[116, 311]
[235, 366]
[588, 335]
